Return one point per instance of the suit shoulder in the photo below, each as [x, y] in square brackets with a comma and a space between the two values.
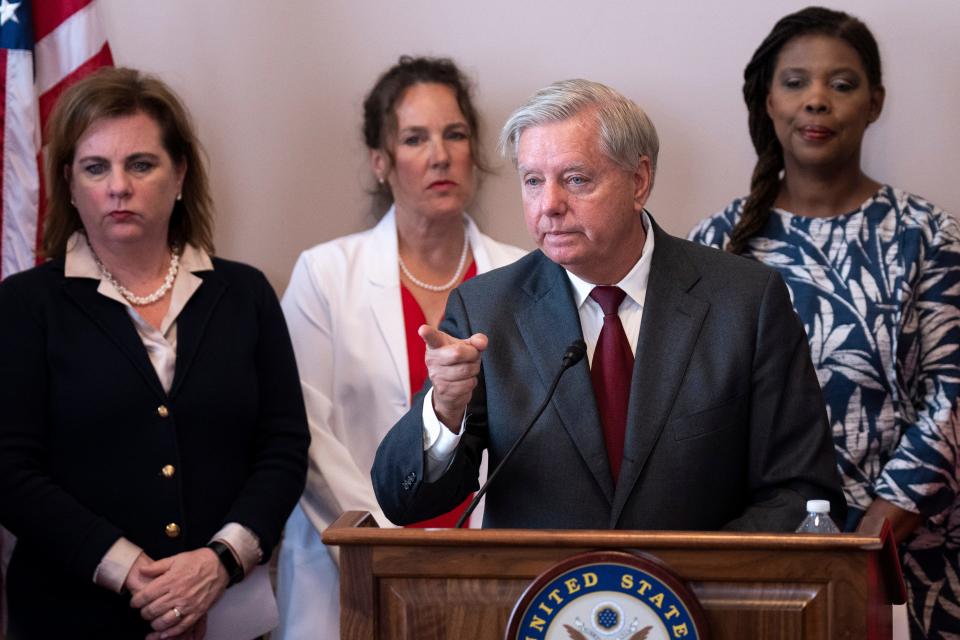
[37, 291]
[712, 257]
[507, 279]
[336, 258]
[243, 281]
[238, 272]
[714, 263]
[35, 280]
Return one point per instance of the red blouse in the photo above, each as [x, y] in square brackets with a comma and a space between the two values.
[413, 317]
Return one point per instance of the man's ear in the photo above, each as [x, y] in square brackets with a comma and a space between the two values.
[642, 183]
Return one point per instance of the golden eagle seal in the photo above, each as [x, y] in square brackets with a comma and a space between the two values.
[576, 635]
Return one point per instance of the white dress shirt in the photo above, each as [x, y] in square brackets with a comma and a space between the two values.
[161, 346]
[439, 443]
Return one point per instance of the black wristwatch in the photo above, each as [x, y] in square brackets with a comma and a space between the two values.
[228, 560]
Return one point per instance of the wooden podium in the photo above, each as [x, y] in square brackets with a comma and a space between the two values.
[463, 584]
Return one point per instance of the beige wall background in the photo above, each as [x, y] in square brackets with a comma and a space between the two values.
[276, 88]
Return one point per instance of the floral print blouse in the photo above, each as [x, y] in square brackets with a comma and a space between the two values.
[878, 291]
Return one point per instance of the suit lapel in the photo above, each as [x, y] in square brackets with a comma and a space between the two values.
[548, 325]
[387, 311]
[386, 306]
[193, 321]
[112, 318]
[668, 332]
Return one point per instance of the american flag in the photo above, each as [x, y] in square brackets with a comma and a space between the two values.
[44, 47]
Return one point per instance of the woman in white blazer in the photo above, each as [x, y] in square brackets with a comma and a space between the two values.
[349, 308]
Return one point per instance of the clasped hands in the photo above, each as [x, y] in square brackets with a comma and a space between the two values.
[453, 366]
[175, 593]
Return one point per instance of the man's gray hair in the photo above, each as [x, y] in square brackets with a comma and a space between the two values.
[626, 133]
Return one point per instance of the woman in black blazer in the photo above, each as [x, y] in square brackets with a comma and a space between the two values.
[152, 438]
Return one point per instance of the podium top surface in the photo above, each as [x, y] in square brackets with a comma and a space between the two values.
[360, 528]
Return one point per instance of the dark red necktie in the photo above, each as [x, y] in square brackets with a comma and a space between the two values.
[610, 373]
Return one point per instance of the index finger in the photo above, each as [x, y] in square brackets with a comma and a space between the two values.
[434, 338]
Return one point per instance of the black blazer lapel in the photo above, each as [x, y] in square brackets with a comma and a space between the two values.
[193, 321]
[548, 325]
[112, 317]
[668, 332]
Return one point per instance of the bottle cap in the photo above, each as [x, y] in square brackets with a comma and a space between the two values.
[818, 506]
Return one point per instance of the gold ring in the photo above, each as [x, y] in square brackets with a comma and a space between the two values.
[177, 613]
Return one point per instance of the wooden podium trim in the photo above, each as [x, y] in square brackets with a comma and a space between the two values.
[360, 528]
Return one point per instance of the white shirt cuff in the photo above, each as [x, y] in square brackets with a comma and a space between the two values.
[115, 565]
[439, 443]
[244, 543]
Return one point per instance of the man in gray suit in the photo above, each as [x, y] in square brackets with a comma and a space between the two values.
[697, 406]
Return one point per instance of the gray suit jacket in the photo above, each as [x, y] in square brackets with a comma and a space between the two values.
[726, 425]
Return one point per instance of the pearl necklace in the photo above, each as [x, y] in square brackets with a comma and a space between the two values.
[130, 296]
[439, 288]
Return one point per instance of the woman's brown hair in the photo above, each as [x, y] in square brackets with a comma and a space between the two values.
[380, 118]
[112, 93]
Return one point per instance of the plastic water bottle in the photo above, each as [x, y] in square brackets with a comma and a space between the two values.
[818, 518]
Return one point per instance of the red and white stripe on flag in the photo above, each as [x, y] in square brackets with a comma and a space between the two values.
[44, 47]
[68, 43]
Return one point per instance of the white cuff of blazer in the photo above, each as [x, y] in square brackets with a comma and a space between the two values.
[116, 563]
[439, 443]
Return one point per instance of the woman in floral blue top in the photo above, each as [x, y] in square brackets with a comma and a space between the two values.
[874, 274]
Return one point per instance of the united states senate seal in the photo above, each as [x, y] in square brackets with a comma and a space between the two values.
[607, 595]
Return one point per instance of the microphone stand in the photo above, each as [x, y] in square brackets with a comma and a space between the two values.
[571, 356]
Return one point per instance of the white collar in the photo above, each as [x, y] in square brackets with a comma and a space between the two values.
[634, 283]
[79, 261]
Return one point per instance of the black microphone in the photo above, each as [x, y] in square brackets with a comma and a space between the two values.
[571, 356]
